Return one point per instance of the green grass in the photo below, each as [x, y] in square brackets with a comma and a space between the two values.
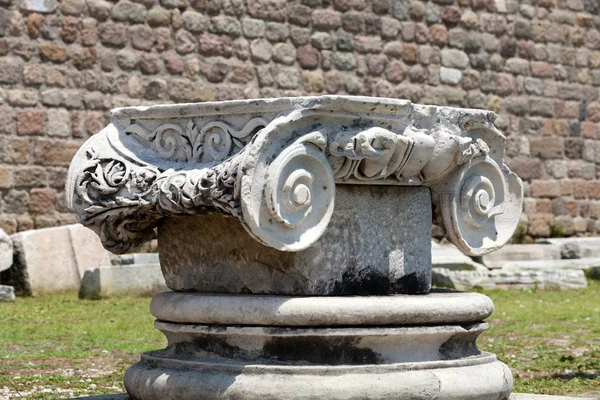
[82, 347]
[549, 339]
[57, 346]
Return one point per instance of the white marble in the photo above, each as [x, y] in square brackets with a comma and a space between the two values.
[422, 347]
[274, 164]
[437, 307]
[308, 200]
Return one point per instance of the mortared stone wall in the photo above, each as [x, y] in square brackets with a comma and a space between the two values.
[64, 64]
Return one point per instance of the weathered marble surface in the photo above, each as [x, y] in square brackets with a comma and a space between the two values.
[330, 195]
[570, 248]
[129, 280]
[366, 249]
[53, 259]
[217, 351]
[274, 163]
[540, 278]
[436, 307]
[7, 293]
[521, 252]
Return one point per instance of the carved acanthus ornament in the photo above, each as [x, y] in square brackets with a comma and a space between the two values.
[274, 164]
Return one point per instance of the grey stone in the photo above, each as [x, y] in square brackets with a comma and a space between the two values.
[276, 32]
[53, 259]
[454, 58]
[10, 70]
[521, 252]
[533, 86]
[125, 10]
[299, 36]
[570, 250]
[577, 247]
[226, 25]
[6, 251]
[130, 280]
[174, 3]
[41, 6]
[287, 77]
[4, 21]
[134, 258]
[250, 310]
[517, 66]
[7, 294]
[451, 76]
[450, 257]
[261, 50]
[195, 22]
[339, 263]
[253, 28]
[127, 59]
[386, 357]
[527, 10]
[59, 123]
[461, 280]
[583, 264]
[400, 10]
[543, 279]
[322, 40]
[284, 53]
[433, 12]
[344, 61]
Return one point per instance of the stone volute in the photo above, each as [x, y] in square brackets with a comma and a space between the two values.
[295, 235]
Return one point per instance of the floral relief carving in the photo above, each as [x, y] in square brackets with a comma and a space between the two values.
[277, 175]
[214, 141]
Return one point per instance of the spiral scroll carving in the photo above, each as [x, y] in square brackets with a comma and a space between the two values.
[298, 199]
[481, 206]
[214, 141]
[275, 168]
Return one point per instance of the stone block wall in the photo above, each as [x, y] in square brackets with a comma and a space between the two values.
[64, 64]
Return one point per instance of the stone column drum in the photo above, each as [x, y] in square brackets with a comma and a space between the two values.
[295, 235]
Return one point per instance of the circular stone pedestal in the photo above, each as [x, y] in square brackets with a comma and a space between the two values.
[333, 348]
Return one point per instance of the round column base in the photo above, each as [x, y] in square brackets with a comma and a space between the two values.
[480, 377]
[423, 348]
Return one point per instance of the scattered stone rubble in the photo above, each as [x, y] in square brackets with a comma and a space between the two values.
[499, 279]
[521, 252]
[7, 293]
[74, 256]
[548, 264]
[127, 280]
[53, 259]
